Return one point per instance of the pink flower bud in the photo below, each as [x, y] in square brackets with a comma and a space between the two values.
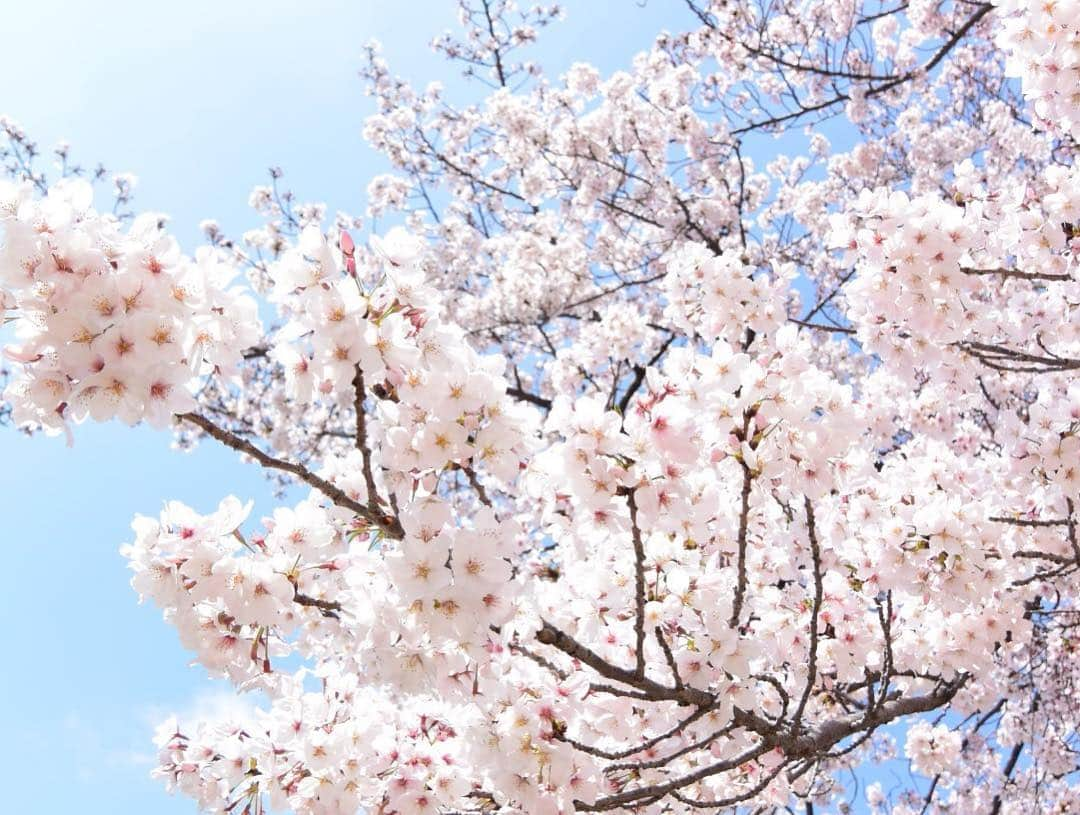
[348, 249]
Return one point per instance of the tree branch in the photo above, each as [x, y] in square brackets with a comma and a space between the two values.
[389, 525]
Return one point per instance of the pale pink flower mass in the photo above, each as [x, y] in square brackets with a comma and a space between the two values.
[654, 465]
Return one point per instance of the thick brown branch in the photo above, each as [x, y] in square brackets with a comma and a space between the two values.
[361, 440]
[815, 610]
[654, 691]
[640, 372]
[1030, 522]
[1003, 358]
[668, 656]
[1015, 274]
[389, 525]
[1010, 765]
[744, 519]
[639, 587]
[474, 482]
[329, 608]
[523, 395]
[833, 731]
[809, 745]
[836, 329]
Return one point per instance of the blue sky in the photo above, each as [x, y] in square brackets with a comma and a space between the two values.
[197, 99]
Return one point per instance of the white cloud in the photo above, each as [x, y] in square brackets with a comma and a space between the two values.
[99, 750]
[208, 704]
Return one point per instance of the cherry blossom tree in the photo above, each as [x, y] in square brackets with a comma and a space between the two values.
[706, 433]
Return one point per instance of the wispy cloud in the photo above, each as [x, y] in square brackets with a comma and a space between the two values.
[209, 704]
[102, 748]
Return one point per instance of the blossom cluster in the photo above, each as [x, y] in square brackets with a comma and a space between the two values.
[443, 405]
[718, 296]
[111, 322]
[931, 748]
[319, 752]
[235, 603]
[1042, 41]
[456, 582]
[244, 604]
[930, 269]
[324, 752]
